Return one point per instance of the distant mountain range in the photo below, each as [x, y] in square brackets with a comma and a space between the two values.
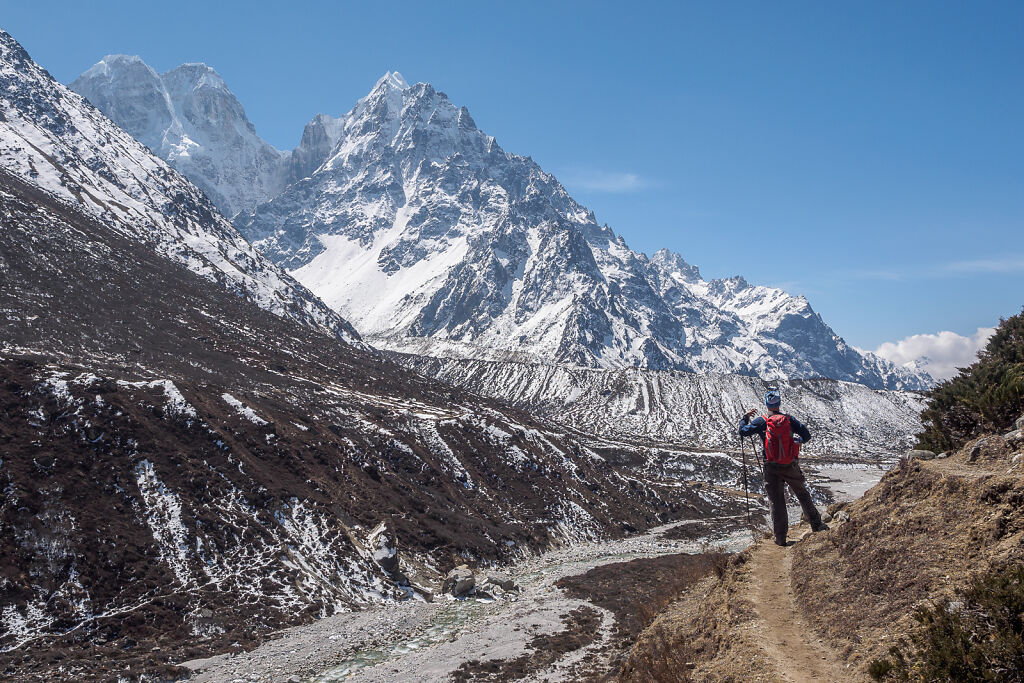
[410, 222]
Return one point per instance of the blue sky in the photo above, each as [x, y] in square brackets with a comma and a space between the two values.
[867, 155]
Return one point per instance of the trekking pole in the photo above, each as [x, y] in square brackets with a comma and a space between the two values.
[761, 459]
[746, 491]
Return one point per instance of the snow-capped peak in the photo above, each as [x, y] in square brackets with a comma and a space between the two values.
[199, 75]
[109, 62]
[392, 79]
[190, 118]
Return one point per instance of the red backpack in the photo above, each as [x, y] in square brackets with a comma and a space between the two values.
[779, 446]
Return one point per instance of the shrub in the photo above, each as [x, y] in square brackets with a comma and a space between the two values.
[982, 398]
[979, 638]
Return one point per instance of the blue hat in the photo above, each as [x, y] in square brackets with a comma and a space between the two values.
[772, 398]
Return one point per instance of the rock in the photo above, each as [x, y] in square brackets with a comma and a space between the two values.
[382, 543]
[826, 518]
[1019, 424]
[841, 516]
[942, 455]
[293, 679]
[1015, 438]
[459, 582]
[804, 535]
[921, 455]
[836, 507]
[503, 580]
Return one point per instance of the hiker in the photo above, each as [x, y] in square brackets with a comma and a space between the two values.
[783, 435]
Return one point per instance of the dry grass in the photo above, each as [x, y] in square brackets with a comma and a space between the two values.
[924, 531]
[702, 636]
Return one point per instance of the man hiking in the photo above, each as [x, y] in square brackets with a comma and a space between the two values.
[783, 435]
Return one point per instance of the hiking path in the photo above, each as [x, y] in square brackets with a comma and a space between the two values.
[798, 653]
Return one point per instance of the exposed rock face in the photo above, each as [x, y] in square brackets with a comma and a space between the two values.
[503, 581]
[407, 219]
[1015, 438]
[420, 225]
[382, 543]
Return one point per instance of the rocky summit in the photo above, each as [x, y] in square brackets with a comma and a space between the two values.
[418, 227]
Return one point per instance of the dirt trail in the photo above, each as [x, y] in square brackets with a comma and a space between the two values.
[798, 653]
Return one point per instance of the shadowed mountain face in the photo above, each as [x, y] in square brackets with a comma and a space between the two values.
[407, 219]
[190, 118]
[196, 451]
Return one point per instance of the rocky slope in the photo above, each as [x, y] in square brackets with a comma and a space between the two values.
[413, 223]
[196, 451]
[681, 407]
[50, 136]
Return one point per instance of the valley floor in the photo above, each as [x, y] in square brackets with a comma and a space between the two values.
[567, 623]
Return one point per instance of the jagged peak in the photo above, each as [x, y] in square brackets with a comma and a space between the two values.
[116, 62]
[199, 73]
[391, 79]
[672, 261]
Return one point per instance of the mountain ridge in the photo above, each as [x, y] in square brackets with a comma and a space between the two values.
[418, 224]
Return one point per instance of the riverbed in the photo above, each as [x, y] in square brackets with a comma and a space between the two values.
[428, 641]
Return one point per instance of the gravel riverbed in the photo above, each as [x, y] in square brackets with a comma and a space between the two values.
[421, 641]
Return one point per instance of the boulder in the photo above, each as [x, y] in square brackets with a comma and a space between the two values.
[826, 518]
[503, 580]
[834, 508]
[920, 455]
[383, 545]
[1015, 438]
[1019, 424]
[459, 582]
[942, 455]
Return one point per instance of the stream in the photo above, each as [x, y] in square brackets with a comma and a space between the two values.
[421, 641]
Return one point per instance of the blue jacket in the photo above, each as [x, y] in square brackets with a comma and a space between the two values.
[759, 426]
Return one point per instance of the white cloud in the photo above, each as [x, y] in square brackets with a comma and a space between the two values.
[601, 181]
[938, 354]
[1008, 264]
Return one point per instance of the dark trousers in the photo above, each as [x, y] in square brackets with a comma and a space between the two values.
[775, 478]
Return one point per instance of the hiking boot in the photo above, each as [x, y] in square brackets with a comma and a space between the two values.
[820, 526]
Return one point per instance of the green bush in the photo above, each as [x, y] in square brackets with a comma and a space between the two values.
[978, 638]
[983, 398]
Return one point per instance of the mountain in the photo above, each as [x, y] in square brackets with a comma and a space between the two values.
[420, 225]
[196, 452]
[407, 219]
[190, 118]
